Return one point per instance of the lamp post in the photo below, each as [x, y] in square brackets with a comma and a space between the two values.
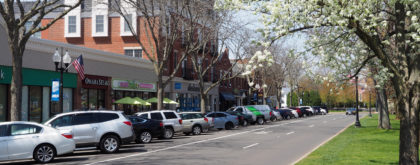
[59, 59]
[357, 123]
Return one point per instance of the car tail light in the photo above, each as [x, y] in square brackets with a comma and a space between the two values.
[180, 121]
[271, 113]
[128, 123]
[68, 136]
[237, 118]
[241, 117]
[161, 124]
[205, 119]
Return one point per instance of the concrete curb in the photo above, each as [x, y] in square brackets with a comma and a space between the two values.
[339, 132]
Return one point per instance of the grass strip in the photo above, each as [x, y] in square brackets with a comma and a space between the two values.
[365, 145]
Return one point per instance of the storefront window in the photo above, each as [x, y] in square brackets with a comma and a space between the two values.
[84, 99]
[101, 99]
[35, 103]
[3, 102]
[68, 100]
[93, 98]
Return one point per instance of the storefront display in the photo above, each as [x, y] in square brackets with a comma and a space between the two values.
[93, 92]
[133, 88]
[36, 103]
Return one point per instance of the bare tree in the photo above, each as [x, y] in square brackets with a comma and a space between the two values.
[217, 30]
[159, 31]
[19, 34]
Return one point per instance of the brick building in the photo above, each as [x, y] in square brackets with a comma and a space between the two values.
[93, 25]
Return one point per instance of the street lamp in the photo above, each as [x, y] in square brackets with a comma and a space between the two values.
[57, 59]
[357, 123]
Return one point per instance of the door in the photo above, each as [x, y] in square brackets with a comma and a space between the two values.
[63, 123]
[84, 128]
[187, 122]
[4, 154]
[219, 121]
[22, 141]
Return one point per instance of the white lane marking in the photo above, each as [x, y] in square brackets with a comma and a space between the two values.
[252, 145]
[263, 132]
[290, 133]
[311, 125]
[185, 144]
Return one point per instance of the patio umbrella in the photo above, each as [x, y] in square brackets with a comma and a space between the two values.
[127, 100]
[165, 100]
[142, 101]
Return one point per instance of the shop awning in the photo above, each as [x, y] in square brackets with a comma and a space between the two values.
[227, 96]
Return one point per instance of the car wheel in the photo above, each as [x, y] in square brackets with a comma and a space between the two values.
[260, 121]
[245, 123]
[196, 130]
[169, 133]
[109, 144]
[44, 153]
[228, 126]
[145, 137]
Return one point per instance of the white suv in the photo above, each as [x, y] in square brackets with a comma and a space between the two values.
[171, 120]
[106, 130]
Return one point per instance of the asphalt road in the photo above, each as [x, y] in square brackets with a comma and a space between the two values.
[282, 142]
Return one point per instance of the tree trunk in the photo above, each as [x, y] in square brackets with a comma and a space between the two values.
[278, 97]
[160, 92]
[409, 132]
[16, 86]
[382, 103]
[203, 101]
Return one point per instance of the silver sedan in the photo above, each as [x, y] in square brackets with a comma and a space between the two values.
[27, 140]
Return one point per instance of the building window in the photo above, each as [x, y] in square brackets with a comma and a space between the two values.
[72, 24]
[99, 23]
[127, 22]
[136, 53]
[28, 26]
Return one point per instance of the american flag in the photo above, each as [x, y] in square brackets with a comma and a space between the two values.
[78, 65]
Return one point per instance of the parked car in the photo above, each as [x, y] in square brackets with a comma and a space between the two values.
[324, 110]
[223, 120]
[146, 129]
[244, 119]
[275, 115]
[171, 121]
[260, 113]
[106, 130]
[351, 111]
[286, 113]
[309, 109]
[300, 113]
[294, 112]
[28, 140]
[194, 122]
[317, 110]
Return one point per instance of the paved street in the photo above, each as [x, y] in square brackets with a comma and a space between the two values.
[281, 142]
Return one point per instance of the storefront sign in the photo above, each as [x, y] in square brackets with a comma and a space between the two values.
[98, 82]
[192, 87]
[55, 90]
[118, 84]
[178, 86]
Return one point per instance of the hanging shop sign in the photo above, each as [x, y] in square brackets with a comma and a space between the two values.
[55, 90]
[133, 85]
[178, 86]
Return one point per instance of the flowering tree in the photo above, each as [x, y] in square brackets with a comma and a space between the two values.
[356, 32]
